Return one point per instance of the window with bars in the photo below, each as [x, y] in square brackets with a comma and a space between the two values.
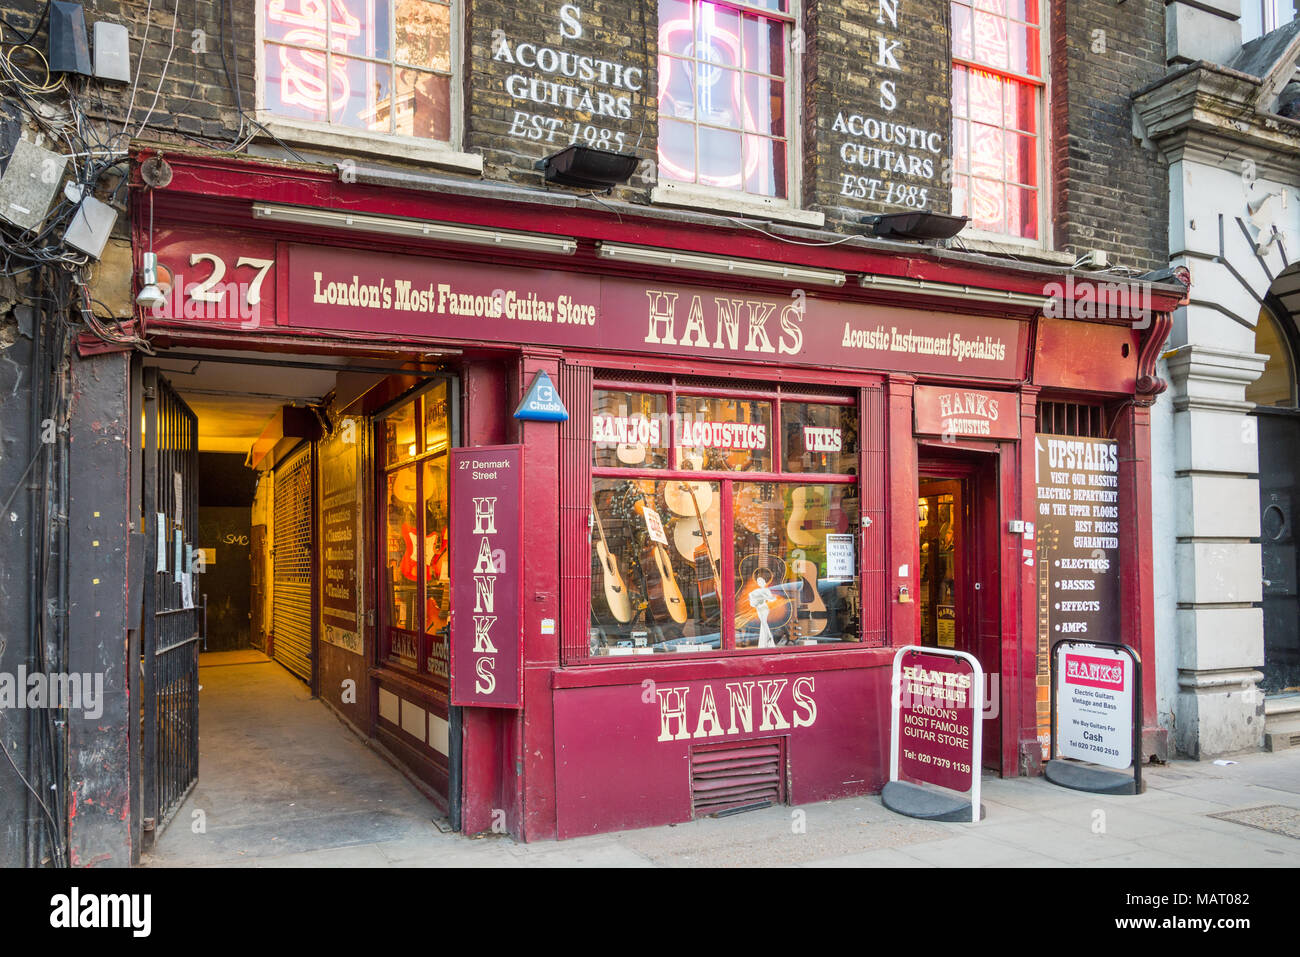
[376, 66]
[998, 92]
[1078, 419]
[725, 95]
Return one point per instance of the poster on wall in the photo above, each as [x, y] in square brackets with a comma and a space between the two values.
[1077, 535]
[340, 532]
[486, 577]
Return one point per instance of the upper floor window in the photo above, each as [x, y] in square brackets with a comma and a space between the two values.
[724, 95]
[378, 66]
[998, 88]
[1259, 17]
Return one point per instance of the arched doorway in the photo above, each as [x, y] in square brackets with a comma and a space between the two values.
[1277, 400]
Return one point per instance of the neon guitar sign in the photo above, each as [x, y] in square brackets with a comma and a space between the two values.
[305, 80]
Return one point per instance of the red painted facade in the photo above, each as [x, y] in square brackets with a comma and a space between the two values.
[606, 744]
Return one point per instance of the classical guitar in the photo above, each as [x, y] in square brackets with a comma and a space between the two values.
[620, 606]
[690, 534]
[762, 571]
[662, 593]
[807, 509]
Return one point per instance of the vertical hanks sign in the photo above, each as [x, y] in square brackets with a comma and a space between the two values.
[486, 577]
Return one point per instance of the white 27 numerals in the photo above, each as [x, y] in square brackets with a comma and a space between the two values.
[210, 289]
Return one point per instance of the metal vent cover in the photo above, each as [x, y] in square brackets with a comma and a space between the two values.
[731, 775]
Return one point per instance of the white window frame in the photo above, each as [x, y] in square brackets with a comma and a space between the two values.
[1045, 240]
[669, 192]
[299, 132]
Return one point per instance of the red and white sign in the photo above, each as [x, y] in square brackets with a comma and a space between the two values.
[966, 413]
[1094, 705]
[750, 436]
[822, 439]
[625, 430]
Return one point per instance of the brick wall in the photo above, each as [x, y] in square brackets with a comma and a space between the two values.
[1110, 193]
[873, 71]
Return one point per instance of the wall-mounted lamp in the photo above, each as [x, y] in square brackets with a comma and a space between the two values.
[587, 168]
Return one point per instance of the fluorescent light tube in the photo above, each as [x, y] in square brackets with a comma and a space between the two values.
[952, 290]
[422, 228]
[755, 268]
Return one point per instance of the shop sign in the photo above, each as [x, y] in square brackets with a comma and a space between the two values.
[486, 577]
[936, 719]
[1094, 704]
[1078, 534]
[294, 287]
[966, 413]
[340, 519]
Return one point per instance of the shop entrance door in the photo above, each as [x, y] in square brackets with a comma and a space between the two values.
[958, 587]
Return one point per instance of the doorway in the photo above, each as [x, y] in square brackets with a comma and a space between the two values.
[958, 579]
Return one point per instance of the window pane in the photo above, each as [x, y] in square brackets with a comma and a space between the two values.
[1022, 212]
[400, 441]
[764, 44]
[717, 35]
[985, 97]
[961, 195]
[677, 150]
[960, 77]
[401, 585]
[629, 430]
[795, 567]
[360, 95]
[422, 103]
[295, 83]
[962, 44]
[765, 170]
[986, 198]
[960, 146]
[354, 31]
[764, 106]
[990, 40]
[423, 34]
[1022, 159]
[819, 438]
[437, 579]
[299, 22]
[1026, 54]
[676, 34]
[653, 570]
[437, 418]
[720, 158]
[1022, 107]
[720, 96]
[676, 88]
[724, 434]
[986, 151]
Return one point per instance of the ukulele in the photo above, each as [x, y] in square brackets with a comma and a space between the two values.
[762, 570]
[620, 606]
[664, 597]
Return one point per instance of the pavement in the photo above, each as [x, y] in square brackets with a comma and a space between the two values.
[284, 783]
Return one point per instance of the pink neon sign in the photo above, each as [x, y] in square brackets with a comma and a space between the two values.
[304, 78]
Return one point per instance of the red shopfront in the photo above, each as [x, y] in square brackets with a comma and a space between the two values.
[763, 485]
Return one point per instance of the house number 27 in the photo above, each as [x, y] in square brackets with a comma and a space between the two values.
[213, 289]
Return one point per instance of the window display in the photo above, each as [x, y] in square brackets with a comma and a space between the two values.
[699, 559]
[416, 601]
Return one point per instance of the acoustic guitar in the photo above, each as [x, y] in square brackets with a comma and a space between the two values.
[762, 571]
[661, 589]
[684, 497]
[706, 569]
[807, 509]
[810, 614]
[616, 597]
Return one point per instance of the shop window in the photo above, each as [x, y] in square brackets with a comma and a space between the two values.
[415, 603]
[725, 95]
[375, 66]
[734, 547]
[998, 88]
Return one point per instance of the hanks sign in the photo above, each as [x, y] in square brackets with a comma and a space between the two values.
[486, 577]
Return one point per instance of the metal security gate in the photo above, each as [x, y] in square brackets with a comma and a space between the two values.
[291, 552]
[170, 646]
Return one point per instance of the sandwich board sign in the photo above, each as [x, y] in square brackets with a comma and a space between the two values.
[935, 736]
[1096, 704]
